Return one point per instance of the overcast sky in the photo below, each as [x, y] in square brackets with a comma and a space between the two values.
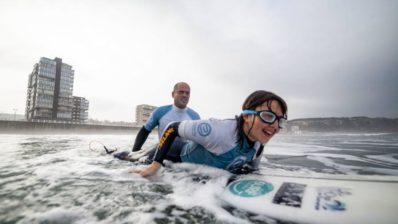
[326, 58]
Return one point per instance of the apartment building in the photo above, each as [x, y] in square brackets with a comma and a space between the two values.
[50, 91]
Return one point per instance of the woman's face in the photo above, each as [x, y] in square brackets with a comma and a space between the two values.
[262, 131]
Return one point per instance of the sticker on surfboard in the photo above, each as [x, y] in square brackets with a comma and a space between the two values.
[250, 188]
[290, 194]
[331, 198]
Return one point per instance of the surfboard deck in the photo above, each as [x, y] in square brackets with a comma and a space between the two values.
[322, 199]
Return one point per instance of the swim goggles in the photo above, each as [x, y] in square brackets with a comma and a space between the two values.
[269, 117]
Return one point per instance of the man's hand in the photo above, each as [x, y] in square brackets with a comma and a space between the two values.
[147, 171]
[124, 155]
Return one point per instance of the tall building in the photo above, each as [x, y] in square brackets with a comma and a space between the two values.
[50, 89]
[142, 113]
[80, 109]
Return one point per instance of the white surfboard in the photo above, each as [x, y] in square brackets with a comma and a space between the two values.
[321, 199]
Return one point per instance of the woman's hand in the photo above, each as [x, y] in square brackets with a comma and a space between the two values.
[147, 171]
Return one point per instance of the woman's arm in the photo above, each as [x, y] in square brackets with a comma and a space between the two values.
[148, 171]
[165, 143]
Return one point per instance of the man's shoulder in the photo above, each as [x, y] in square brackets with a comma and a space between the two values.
[163, 109]
[158, 113]
[193, 114]
[192, 110]
[168, 106]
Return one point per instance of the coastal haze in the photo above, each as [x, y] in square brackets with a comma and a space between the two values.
[335, 63]
[326, 58]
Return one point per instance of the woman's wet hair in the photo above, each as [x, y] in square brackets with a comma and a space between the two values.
[254, 100]
[258, 97]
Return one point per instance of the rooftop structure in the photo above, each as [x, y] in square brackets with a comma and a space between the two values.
[142, 113]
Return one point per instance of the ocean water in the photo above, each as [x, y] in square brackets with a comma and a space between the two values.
[70, 178]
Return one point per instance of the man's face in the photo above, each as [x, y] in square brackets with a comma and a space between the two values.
[181, 95]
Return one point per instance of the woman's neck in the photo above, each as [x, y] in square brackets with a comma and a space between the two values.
[246, 131]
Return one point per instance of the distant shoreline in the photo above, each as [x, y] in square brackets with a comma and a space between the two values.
[25, 127]
[341, 125]
[344, 124]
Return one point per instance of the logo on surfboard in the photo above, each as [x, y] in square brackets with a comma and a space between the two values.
[290, 194]
[331, 198]
[250, 188]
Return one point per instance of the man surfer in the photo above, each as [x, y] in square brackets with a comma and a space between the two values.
[164, 115]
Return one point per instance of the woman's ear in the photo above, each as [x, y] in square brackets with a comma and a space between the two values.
[247, 117]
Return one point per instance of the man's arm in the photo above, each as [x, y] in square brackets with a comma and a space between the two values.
[140, 139]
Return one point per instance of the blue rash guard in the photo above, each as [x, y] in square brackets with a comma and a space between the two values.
[214, 143]
[164, 115]
[161, 117]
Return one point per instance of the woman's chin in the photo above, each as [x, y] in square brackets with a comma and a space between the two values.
[264, 140]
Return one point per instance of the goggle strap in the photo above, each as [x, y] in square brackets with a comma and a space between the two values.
[248, 112]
